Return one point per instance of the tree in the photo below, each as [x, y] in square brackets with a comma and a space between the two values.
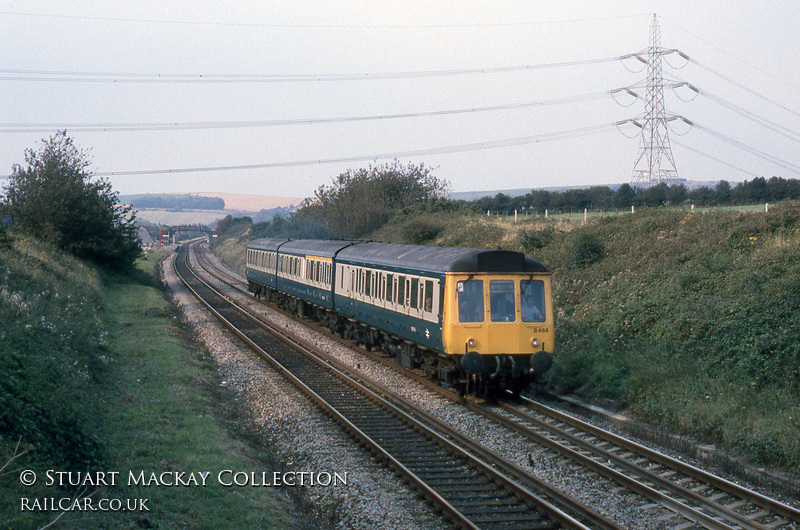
[723, 189]
[362, 201]
[56, 199]
[624, 197]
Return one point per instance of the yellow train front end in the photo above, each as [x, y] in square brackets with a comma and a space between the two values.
[501, 327]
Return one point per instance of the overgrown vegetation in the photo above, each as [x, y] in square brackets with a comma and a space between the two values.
[52, 347]
[689, 320]
[56, 200]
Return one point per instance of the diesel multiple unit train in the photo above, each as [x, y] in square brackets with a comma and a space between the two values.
[478, 320]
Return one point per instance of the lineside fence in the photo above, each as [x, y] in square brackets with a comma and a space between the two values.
[588, 213]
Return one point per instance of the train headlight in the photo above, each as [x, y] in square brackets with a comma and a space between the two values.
[535, 342]
[471, 342]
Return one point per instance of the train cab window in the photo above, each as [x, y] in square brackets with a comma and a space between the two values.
[470, 301]
[532, 300]
[501, 301]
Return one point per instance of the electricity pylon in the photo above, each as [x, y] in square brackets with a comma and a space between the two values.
[654, 162]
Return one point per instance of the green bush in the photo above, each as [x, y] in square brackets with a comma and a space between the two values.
[421, 231]
[587, 249]
[535, 239]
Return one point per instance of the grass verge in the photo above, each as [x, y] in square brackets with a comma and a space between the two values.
[158, 417]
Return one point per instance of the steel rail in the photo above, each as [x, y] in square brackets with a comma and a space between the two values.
[774, 506]
[487, 469]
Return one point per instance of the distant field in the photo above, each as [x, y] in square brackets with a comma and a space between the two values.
[236, 205]
[187, 217]
[253, 203]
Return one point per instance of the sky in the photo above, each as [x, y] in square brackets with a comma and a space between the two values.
[278, 98]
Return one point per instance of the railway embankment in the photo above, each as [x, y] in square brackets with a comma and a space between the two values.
[109, 414]
[685, 320]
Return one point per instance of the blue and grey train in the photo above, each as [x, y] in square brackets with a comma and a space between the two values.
[475, 319]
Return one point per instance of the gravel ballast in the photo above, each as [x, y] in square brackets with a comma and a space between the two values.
[300, 436]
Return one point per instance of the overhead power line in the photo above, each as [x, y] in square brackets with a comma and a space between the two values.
[755, 118]
[726, 52]
[141, 77]
[314, 26]
[752, 150]
[745, 88]
[479, 146]
[714, 158]
[161, 126]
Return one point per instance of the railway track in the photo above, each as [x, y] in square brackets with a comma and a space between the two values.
[693, 497]
[469, 489]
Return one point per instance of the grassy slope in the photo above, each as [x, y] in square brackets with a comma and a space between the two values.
[688, 320]
[142, 398]
[691, 320]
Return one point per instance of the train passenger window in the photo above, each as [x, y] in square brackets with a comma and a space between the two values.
[428, 296]
[367, 283]
[389, 287]
[501, 301]
[470, 301]
[401, 290]
[415, 293]
[532, 300]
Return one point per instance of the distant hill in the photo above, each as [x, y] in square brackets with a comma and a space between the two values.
[196, 208]
[174, 202]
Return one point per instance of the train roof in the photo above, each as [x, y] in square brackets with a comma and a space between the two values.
[417, 257]
[325, 248]
[267, 243]
[441, 259]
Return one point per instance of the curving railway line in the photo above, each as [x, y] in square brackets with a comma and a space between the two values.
[468, 489]
[690, 497]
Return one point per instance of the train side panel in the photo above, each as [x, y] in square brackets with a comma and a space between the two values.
[402, 303]
[261, 261]
[306, 277]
